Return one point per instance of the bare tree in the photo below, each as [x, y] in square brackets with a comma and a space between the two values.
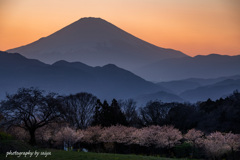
[154, 113]
[30, 109]
[78, 109]
[128, 108]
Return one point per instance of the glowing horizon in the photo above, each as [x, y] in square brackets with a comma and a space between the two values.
[193, 27]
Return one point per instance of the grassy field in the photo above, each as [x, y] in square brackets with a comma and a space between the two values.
[12, 145]
[64, 155]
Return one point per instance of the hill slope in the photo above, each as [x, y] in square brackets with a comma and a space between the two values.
[63, 77]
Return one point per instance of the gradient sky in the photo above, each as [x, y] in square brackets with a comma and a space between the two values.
[195, 27]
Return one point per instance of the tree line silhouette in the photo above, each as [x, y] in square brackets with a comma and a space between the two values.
[33, 109]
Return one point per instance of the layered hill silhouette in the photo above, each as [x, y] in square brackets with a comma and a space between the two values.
[179, 86]
[106, 82]
[210, 66]
[96, 42]
[214, 91]
[198, 89]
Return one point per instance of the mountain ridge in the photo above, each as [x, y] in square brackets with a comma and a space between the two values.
[106, 82]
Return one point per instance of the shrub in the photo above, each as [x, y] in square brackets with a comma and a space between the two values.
[183, 150]
[14, 145]
[5, 136]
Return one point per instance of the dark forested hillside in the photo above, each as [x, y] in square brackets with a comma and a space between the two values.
[220, 115]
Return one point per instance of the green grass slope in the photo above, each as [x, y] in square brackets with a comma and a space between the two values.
[64, 155]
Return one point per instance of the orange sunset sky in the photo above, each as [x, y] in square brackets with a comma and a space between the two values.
[195, 27]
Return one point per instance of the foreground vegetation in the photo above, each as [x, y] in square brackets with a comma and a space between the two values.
[207, 129]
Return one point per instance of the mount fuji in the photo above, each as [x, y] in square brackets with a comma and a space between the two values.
[96, 42]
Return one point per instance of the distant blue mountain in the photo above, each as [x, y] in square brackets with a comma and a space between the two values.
[158, 96]
[179, 86]
[213, 91]
[210, 66]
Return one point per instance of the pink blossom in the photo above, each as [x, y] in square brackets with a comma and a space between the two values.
[215, 144]
[194, 136]
[92, 134]
[119, 134]
[233, 141]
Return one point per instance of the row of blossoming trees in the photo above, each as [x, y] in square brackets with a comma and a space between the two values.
[148, 140]
[52, 120]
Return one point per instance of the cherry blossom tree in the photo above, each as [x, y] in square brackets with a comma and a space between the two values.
[19, 133]
[30, 109]
[168, 137]
[215, 145]
[144, 136]
[68, 136]
[233, 141]
[162, 137]
[92, 135]
[44, 134]
[194, 137]
[126, 134]
[118, 134]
